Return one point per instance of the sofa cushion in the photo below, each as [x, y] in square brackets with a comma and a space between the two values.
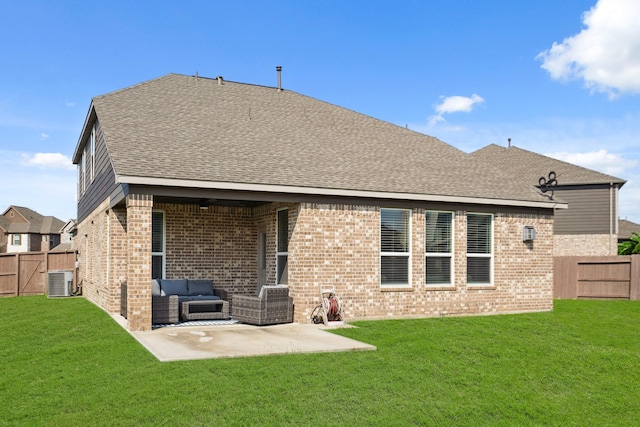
[182, 299]
[174, 286]
[155, 288]
[200, 287]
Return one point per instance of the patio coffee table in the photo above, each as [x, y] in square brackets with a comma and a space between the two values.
[209, 310]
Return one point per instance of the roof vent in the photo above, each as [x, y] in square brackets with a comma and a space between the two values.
[219, 78]
[279, 70]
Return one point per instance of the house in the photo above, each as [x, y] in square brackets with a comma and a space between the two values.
[25, 230]
[190, 177]
[590, 225]
[626, 229]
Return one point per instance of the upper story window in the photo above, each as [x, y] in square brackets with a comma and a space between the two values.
[87, 163]
[282, 249]
[92, 151]
[395, 247]
[479, 249]
[439, 248]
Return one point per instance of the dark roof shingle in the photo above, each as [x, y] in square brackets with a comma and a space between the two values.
[180, 127]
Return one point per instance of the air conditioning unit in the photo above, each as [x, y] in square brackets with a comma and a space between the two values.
[59, 283]
[528, 234]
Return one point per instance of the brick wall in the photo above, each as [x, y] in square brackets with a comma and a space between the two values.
[330, 246]
[218, 243]
[585, 245]
[338, 246]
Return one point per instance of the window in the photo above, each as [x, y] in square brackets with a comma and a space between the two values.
[282, 250]
[395, 244]
[157, 245]
[438, 248]
[93, 153]
[17, 239]
[479, 249]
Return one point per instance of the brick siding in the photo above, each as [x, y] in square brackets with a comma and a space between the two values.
[329, 246]
[585, 245]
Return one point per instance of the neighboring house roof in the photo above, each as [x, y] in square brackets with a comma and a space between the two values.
[532, 166]
[189, 131]
[34, 222]
[627, 228]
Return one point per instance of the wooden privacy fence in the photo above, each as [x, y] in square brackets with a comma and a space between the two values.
[25, 273]
[598, 277]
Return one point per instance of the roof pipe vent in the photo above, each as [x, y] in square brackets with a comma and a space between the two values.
[279, 70]
[219, 78]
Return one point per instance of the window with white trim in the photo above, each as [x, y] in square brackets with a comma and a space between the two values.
[17, 239]
[395, 247]
[282, 247]
[158, 246]
[93, 153]
[438, 248]
[479, 249]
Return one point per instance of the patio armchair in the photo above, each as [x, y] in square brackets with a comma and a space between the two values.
[272, 306]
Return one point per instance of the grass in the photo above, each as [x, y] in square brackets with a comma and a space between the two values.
[64, 362]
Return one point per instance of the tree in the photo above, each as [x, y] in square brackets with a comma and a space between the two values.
[631, 246]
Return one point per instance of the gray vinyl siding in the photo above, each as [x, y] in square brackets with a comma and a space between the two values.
[589, 211]
[103, 183]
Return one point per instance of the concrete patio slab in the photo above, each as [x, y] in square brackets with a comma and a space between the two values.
[240, 340]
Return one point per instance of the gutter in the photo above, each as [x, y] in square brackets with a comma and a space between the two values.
[289, 189]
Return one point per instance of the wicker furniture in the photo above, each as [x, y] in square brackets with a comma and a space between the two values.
[273, 305]
[164, 309]
[201, 310]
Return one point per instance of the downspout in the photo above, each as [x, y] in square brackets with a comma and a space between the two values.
[611, 218]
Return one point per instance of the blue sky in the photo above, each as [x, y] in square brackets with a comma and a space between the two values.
[560, 78]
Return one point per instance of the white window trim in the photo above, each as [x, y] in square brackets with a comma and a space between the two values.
[163, 254]
[401, 254]
[490, 255]
[284, 253]
[93, 152]
[449, 255]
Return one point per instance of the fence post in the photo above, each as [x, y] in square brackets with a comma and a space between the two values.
[17, 292]
[634, 280]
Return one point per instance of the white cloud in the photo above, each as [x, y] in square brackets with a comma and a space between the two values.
[70, 103]
[601, 160]
[453, 104]
[44, 135]
[606, 54]
[48, 160]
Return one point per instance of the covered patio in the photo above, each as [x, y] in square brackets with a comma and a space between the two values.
[182, 233]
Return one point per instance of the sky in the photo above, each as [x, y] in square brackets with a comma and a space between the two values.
[560, 78]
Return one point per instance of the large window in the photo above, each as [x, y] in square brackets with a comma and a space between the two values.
[157, 245]
[479, 249]
[395, 247]
[438, 248]
[92, 150]
[282, 250]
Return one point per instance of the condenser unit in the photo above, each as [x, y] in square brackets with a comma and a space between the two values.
[59, 283]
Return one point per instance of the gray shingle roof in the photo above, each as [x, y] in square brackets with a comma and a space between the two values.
[37, 223]
[532, 166]
[627, 228]
[180, 127]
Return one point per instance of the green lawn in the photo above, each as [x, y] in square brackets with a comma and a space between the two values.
[64, 362]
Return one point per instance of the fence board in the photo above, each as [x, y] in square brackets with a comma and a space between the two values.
[25, 273]
[607, 277]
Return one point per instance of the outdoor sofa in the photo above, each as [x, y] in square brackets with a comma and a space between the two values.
[168, 296]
